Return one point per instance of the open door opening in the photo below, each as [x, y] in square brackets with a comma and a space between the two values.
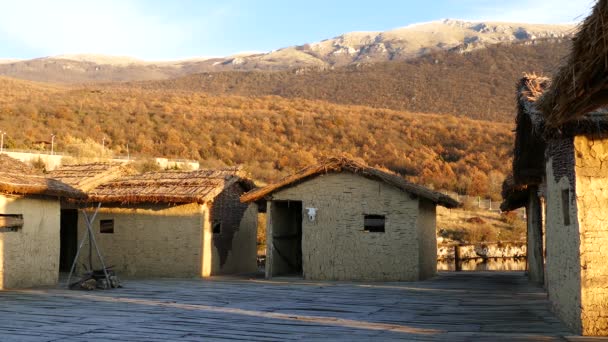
[68, 239]
[286, 238]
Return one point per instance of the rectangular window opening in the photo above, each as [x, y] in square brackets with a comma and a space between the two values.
[106, 226]
[10, 222]
[566, 206]
[374, 223]
[217, 227]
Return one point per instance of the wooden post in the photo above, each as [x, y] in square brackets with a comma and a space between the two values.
[457, 266]
[269, 239]
[534, 222]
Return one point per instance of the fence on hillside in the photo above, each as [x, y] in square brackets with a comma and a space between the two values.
[481, 203]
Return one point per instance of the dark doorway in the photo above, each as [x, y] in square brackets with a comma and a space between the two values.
[286, 238]
[68, 239]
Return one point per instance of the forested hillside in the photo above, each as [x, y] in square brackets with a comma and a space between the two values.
[271, 136]
[478, 84]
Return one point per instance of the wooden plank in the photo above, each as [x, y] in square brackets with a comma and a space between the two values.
[10, 222]
[453, 306]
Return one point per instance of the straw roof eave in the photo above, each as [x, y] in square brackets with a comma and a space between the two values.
[529, 149]
[514, 195]
[339, 164]
[581, 84]
[17, 178]
[201, 186]
[88, 176]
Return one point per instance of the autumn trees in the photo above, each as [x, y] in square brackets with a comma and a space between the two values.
[271, 136]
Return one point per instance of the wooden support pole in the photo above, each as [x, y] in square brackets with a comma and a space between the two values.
[534, 222]
[92, 242]
[457, 265]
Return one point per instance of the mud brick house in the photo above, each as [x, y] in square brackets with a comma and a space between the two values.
[175, 224]
[84, 177]
[29, 225]
[561, 160]
[344, 220]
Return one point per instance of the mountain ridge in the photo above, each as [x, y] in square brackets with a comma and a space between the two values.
[399, 44]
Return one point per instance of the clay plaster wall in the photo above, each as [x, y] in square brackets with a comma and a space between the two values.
[29, 257]
[563, 264]
[335, 245]
[591, 167]
[155, 240]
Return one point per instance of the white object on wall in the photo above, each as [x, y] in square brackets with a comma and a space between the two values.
[312, 213]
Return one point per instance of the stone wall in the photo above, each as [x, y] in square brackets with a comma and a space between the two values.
[234, 247]
[29, 257]
[591, 167]
[335, 245]
[563, 264]
[149, 240]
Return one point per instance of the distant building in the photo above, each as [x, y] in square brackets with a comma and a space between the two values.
[561, 160]
[175, 224]
[343, 220]
[29, 225]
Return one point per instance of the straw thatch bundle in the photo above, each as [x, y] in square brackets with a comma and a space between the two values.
[86, 177]
[340, 164]
[199, 186]
[581, 84]
[19, 178]
[528, 156]
[514, 195]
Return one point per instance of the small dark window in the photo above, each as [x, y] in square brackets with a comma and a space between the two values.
[217, 227]
[566, 206]
[10, 222]
[374, 223]
[106, 226]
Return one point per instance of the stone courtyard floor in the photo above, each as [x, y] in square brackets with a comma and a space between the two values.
[450, 307]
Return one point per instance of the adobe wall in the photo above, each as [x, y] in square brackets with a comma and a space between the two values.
[29, 257]
[335, 245]
[149, 240]
[563, 271]
[427, 252]
[591, 167]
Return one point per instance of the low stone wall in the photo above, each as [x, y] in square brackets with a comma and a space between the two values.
[483, 250]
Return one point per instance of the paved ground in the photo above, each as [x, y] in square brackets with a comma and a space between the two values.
[453, 306]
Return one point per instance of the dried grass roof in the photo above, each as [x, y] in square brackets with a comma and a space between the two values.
[17, 177]
[199, 186]
[581, 84]
[86, 177]
[514, 195]
[340, 164]
[529, 151]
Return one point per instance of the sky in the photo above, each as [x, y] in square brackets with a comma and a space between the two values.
[177, 29]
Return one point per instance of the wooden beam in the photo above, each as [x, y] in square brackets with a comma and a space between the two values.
[11, 221]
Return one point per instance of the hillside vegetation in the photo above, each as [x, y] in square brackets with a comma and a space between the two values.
[271, 136]
[478, 84]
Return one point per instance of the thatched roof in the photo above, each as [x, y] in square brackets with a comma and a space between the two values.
[199, 186]
[17, 177]
[581, 84]
[88, 176]
[514, 196]
[340, 164]
[529, 152]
